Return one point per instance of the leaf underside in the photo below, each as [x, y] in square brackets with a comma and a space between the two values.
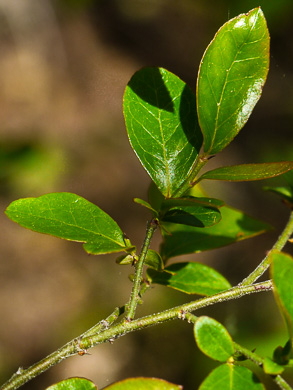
[248, 172]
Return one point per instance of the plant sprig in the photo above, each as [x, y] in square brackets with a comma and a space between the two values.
[174, 133]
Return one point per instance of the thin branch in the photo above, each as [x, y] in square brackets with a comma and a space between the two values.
[81, 344]
[106, 323]
[279, 245]
[282, 383]
[260, 361]
[134, 298]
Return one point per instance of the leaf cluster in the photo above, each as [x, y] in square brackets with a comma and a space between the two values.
[174, 133]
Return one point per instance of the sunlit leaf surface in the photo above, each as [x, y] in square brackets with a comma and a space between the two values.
[74, 384]
[143, 384]
[71, 217]
[190, 278]
[161, 121]
[213, 339]
[230, 377]
[231, 77]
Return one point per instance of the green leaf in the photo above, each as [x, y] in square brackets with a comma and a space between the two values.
[143, 384]
[154, 260]
[232, 73]
[74, 384]
[272, 368]
[282, 276]
[161, 121]
[125, 260]
[190, 278]
[71, 217]
[234, 226]
[247, 172]
[146, 205]
[230, 377]
[213, 339]
[199, 212]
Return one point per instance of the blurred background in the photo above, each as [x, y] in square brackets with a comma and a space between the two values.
[64, 66]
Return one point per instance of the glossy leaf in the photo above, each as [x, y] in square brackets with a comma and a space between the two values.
[234, 226]
[232, 73]
[190, 278]
[282, 276]
[231, 377]
[143, 384]
[74, 384]
[161, 121]
[70, 217]
[248, 172]
[213, 339]
[191, 211]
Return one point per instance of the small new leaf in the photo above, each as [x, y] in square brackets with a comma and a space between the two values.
[154, 260]
[146, 205]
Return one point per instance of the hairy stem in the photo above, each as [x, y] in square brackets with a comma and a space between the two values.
[282, 383]
[82, 343]
[249, 354]
[279, 245]
[134, 298]
[104, 324]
